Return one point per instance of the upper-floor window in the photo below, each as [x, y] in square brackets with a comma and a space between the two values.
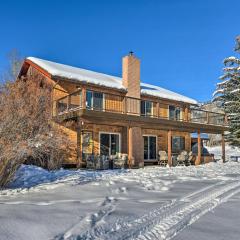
[146, 108]
[174, 113]
[94, 100]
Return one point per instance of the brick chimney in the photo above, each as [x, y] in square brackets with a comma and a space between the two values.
[131, 75]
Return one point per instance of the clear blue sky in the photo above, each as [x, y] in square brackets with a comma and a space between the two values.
[181, 43]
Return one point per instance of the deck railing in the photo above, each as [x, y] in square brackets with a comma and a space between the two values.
[107, 102]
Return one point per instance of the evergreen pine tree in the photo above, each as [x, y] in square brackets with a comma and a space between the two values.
[228, 93]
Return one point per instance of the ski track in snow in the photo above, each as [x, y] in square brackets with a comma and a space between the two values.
[161, 223]
[144, 204]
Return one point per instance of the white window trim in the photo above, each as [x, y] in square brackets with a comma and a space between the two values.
[181, 111]
[151, 135]
[116, 133]
[92, 108]
[145, 113]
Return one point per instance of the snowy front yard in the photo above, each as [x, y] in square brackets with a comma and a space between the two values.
[151, 203]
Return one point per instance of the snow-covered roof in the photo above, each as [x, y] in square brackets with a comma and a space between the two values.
[74, 73]
[87, 76]
[164, 93]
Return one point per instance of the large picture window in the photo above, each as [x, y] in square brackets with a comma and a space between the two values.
[178, 144]
[146, 108]
[174, 113]
[94, 100]
[109, 144]
[150, 147]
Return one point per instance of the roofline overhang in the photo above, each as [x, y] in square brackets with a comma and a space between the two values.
[182, 102]
[27, 63]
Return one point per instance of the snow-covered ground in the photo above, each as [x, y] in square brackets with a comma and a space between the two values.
[152, 203]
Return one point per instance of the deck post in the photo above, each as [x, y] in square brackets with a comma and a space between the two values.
[198, 160]
[124, 105]
[79, 143]
[68, 102]
[186, 114]
[157, 112]
[223, 149]
[169, 148]
[207, 117]
[130, 147]
[54, 109]
[135, 147]
[83, 100]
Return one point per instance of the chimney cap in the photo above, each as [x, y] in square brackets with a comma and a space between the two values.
[130, 53]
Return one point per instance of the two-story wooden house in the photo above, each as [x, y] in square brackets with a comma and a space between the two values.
[112, 115]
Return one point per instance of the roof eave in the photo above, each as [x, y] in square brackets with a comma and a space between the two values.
[169, 99]
[86, 83]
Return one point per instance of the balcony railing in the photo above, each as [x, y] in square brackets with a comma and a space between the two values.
[132, 106]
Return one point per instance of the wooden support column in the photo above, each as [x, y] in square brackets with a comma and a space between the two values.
[54, 108]
[83, 100]
[68, 102]
[207, 117]
[124, 105]
[198, 160]
[130, 147]
[186, 114]
[169, 148]
[79, 143]
[223, 148]
[157, 112]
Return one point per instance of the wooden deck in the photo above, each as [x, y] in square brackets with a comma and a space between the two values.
[119, 119]
[125, 111]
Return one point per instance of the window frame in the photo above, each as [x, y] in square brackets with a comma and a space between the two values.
[110, 133]
[176, 108]
[148, 136]
[145, 108]
[92, 100]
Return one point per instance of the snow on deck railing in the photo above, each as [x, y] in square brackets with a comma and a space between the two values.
[121, 104]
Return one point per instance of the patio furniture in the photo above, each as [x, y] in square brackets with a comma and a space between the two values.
[191, 159]
[102, 162]
[174, 160]
[120, 161]
[90, 162]
[182, 158]
[163, 158]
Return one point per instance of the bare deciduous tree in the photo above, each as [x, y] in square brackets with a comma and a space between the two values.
[14, 60]
[26, 130]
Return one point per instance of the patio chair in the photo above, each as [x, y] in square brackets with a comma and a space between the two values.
[182, 158]
[120, 161]
[191, 159]
[90, 162]
[163, 158]
[102, 162]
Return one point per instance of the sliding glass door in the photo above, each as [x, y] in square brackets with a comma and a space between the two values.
[150, 147]
[109, 144]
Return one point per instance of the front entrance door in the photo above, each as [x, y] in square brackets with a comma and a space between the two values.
[109, 144]
[150, 147]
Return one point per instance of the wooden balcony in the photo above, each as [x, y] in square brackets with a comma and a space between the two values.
[121, 110]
